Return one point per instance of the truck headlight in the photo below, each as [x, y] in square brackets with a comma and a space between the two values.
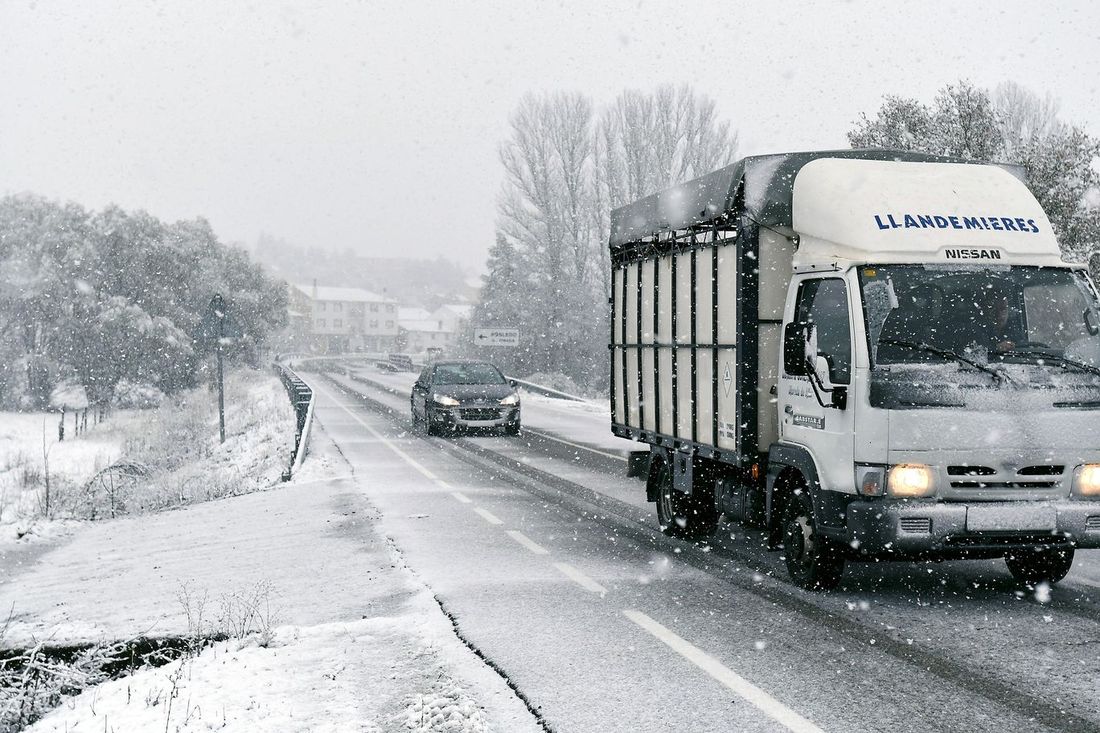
[1087, 480]
[870, 480]
[442, 399]
[910, 480]
[512, 399]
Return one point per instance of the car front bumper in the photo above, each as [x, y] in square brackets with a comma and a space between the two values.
[961, 529]
[474, 416]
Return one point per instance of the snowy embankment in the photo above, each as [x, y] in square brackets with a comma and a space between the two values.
[342, 637]
[169, 457]
[290, 609]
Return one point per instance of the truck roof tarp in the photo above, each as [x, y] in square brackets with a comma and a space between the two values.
[768, 183]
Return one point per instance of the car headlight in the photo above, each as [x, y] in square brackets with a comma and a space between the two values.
[442, 399]
[512, 399]
[1087, 480]
[910, 480]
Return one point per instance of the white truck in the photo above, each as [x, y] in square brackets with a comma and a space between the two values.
[872, 354]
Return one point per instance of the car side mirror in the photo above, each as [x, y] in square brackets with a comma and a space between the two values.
[1090, 322]
[794, 351]
[513, 383]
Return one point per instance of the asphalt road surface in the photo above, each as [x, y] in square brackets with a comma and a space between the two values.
[550, 563]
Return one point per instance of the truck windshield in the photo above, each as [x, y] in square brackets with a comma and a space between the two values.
[1026, 315]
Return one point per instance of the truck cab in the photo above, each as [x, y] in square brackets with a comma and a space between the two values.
[916, 369]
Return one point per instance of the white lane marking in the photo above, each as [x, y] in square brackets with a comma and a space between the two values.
[527, 542]
[461, 497]
[488, 516]
[578, 445]
[1085, 581]
[385, 441]
[764, 702]
[580, 578]
[442, 484]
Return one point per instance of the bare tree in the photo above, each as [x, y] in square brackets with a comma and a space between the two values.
[565, 168]
[653, 141]
[1024, 116]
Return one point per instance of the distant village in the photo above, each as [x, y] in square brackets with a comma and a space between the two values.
[325, 319]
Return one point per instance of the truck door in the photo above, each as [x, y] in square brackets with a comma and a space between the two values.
[825, 430]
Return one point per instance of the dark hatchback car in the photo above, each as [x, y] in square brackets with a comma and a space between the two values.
[464, 394]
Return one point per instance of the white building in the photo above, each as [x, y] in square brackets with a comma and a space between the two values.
[339, 320]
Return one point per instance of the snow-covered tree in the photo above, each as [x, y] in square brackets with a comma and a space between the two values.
[98, 297]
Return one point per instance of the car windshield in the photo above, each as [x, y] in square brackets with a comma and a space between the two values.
[467, 374]
[921, 314]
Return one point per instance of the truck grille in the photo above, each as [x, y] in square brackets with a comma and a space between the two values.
[917, 525]
[986, 477]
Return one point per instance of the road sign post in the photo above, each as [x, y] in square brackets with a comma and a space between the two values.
[217, 310]
[496, 337]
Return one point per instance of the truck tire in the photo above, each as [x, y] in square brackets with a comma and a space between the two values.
[1048, 565]
[813, 562]
[680, 515]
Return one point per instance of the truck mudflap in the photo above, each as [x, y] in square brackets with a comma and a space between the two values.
[950, 529]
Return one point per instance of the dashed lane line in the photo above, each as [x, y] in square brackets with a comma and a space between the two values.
[488, 516]
[1085, 581]
[527, 542]
[761, 700]
[461, 497]
[580, 578]
[377, 435]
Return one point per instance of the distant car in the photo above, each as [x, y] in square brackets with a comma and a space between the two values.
[464, 394]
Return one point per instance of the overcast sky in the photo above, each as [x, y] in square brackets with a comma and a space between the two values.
[375, 125]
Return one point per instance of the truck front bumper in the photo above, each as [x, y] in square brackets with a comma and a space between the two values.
[968, 529]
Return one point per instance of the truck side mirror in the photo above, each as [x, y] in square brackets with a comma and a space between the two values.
[794, 351]
[1090, 322]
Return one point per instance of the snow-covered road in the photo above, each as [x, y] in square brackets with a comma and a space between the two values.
[550, 561]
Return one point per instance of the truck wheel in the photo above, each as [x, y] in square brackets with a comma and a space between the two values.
[1048, 565]
[688, 517]
[812, 561]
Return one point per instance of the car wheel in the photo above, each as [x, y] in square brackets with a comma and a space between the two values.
[1046, 565]
[688, 517]
[430, 423]
[813, 562]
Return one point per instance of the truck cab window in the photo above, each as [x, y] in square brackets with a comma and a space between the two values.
[824, 303]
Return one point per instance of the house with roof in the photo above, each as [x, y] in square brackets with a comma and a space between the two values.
[422, 330]
[335, 320]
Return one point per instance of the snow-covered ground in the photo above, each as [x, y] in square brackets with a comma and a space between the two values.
[177, 443]
[349, 639]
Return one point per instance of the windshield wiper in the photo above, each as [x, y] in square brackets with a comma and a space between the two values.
[1054, 359]
[929, 348]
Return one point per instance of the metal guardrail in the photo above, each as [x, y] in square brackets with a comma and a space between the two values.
[303, 401]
